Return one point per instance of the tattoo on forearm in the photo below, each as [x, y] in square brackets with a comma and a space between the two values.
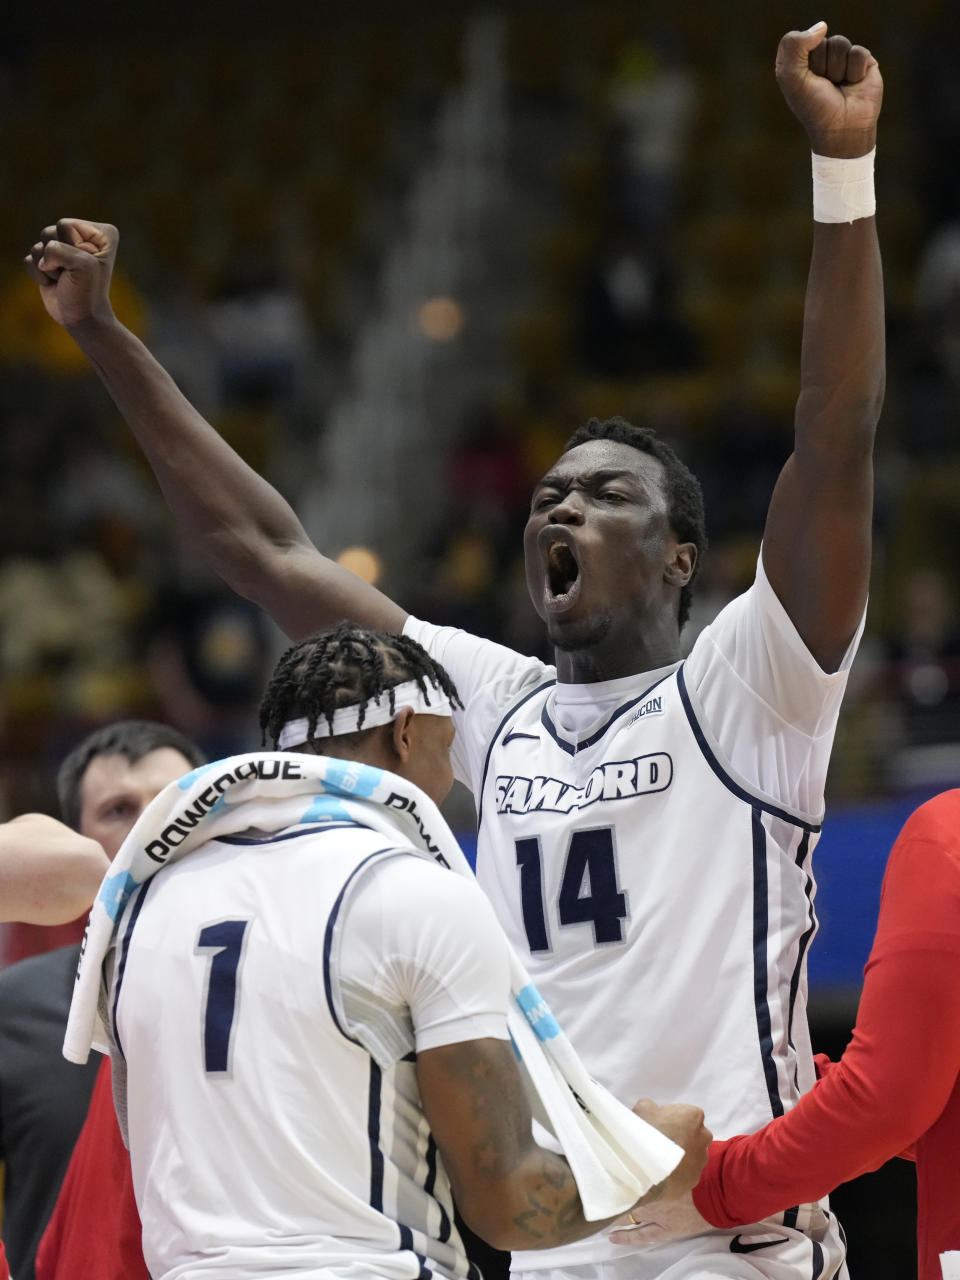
[554, 1202]
[543, 1202]
[504, 1119]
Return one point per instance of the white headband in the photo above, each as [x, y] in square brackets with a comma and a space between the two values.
[376, 712]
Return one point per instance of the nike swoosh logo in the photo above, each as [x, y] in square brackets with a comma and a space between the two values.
[511, 737]
[738, 1245]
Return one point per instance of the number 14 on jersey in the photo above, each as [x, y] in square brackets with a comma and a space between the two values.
[589, 888]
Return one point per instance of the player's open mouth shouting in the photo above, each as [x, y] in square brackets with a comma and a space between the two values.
[562, 579]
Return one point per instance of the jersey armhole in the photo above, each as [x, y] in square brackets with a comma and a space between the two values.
[333, 936]
[734, 782]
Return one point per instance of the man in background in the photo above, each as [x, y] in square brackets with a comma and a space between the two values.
[103, 787]
[48, 875]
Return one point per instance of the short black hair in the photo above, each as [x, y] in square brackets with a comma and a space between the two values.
[132, 739]
[683, 491]
[339, 668]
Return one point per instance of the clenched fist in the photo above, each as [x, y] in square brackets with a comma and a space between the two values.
[684, 1125]
[834, 89]
[72, 262]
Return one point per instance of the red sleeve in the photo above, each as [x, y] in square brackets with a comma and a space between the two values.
[822, 1064]
[883, 1094]
[4, 1268]
[95, 1228]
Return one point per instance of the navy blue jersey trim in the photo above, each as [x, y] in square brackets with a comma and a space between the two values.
[495, 736]
[406, 1243]
[843, 1240]
[840, 1230]
[405, 1235]
[790, 1217]
[760, 924]
[373, 1135]
[124, 949]
[805, 937]
[755, 802]
[817, 1261]
[328, 940]
[286, 835]
[573, 749]
[446, 1226]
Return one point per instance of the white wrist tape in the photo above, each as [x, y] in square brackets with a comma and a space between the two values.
[843, 189]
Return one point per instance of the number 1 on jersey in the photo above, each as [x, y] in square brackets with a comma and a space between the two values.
[223, 942]
[589, 892]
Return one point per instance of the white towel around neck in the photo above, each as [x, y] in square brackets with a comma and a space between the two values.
[614, 1155]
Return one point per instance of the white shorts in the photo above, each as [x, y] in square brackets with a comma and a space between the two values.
[764, 1251]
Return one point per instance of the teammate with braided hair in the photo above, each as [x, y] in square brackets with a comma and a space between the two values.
[309, 1014]
[349, 665]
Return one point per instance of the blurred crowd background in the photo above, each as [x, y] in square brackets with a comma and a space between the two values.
[396, 254]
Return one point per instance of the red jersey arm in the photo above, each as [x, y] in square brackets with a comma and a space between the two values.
[883, 1094]
[822, 1065]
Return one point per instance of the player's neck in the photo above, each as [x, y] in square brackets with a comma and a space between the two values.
[613, 658]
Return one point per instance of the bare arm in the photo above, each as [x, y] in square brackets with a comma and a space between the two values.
[49, 874]
[247, 531]
[513, 1193]
[816, 546]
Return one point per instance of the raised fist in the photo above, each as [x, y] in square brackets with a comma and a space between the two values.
[72, 262]
[834, 89]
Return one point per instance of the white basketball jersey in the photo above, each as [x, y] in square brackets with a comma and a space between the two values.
[653, 869]
[662, 907]
[264, 1138]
